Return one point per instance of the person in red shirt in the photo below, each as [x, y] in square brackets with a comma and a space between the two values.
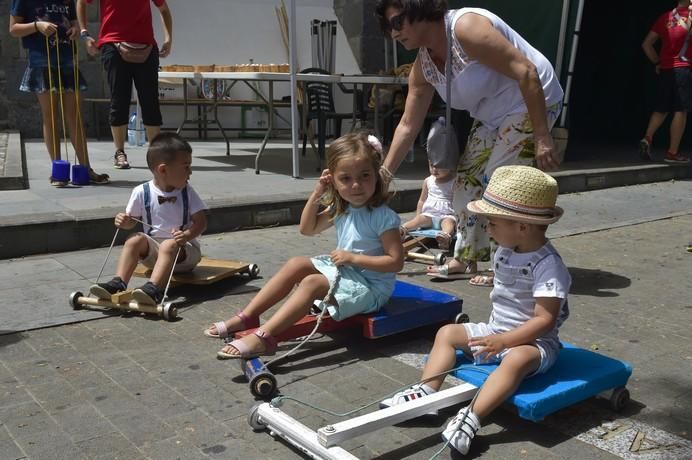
[673, 66]
[127, 24]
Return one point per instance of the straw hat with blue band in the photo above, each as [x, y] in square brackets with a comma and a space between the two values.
[519, 193]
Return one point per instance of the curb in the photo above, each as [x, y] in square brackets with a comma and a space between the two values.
[73, 233]
[14, 175]
[595, 179]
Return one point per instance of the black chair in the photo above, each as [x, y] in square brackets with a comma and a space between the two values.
[318, 104]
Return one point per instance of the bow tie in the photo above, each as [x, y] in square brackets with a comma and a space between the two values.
[170, 199]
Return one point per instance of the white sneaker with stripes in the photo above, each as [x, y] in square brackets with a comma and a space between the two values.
[461, 430]
[409, 394]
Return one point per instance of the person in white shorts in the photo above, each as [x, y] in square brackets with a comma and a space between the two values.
[529, 301]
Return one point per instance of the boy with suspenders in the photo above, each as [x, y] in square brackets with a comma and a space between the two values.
[174, 216]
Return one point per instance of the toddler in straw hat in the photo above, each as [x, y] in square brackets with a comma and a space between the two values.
[529, 300]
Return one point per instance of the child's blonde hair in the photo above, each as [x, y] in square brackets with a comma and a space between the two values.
[355, 144]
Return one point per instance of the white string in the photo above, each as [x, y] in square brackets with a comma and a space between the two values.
[327, 298]
[117, 229]
[170, 275]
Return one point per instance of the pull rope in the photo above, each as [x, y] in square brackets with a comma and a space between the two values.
[278, 401]
[327, 298]
[117, 229]
[175, 261]
[78, 105]
[170, 275]
[60, 94]
[56, 148]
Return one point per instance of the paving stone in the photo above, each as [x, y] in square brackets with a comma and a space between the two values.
[172, 448]
[112, 446]
[82, 422]
[143, 430]
[8, 447]
[201, 430]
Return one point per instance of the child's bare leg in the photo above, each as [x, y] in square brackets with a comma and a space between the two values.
[51, 129]
[168, 249]
[312, 287]
[442, 357]
[500, 385]
[420, 221]
[449, 226]
[135, 249]
[276, 289]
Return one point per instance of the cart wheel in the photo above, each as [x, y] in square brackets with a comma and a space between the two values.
[263, 385]
[462, 318]
[254, 421]
[73, 300]
[170, 313]
[253, 270]
[440, 258]
[619, 398]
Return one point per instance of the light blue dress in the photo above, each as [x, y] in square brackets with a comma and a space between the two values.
[359, 290]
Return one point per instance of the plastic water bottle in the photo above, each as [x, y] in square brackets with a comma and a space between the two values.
[135, 134]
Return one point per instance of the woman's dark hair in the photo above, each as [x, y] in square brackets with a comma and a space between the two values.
[165, 148]
[413, 10]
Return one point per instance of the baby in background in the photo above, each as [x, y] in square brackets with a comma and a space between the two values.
[434, 209]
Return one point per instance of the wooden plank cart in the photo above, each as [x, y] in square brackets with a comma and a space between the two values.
[208, 271]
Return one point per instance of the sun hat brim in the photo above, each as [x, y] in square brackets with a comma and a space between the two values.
[484, 208]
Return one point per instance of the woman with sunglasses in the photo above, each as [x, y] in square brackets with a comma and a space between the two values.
[508, 87]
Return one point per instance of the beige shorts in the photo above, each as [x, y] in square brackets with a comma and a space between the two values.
[190, 255]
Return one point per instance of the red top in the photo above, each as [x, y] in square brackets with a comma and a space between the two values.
[671, 27]
[127, 21]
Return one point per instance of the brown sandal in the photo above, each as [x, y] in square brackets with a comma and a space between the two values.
[98, 179]
[120, 160]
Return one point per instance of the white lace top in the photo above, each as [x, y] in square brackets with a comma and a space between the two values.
[488, 96]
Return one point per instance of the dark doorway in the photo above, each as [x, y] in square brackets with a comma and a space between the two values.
[614, 83]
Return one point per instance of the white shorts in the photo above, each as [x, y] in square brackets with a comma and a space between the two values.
[549, 352]
[190, 255]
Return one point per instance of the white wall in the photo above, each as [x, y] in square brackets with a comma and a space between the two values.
[227, 32]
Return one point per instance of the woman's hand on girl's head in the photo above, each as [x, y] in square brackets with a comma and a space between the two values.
[340, 257]
[547, 158]
[323, 182]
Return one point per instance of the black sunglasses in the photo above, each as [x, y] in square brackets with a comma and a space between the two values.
[396, 23]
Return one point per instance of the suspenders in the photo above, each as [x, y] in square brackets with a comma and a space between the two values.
[147, 206]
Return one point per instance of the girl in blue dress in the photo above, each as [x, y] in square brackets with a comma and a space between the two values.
[350, 195]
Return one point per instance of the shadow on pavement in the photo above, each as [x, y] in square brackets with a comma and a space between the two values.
[9, 337]
[596, 282]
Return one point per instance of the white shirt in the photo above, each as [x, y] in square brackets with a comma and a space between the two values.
[165, 217]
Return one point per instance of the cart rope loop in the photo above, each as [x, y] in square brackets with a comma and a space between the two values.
[327, 298]
[279, 400]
